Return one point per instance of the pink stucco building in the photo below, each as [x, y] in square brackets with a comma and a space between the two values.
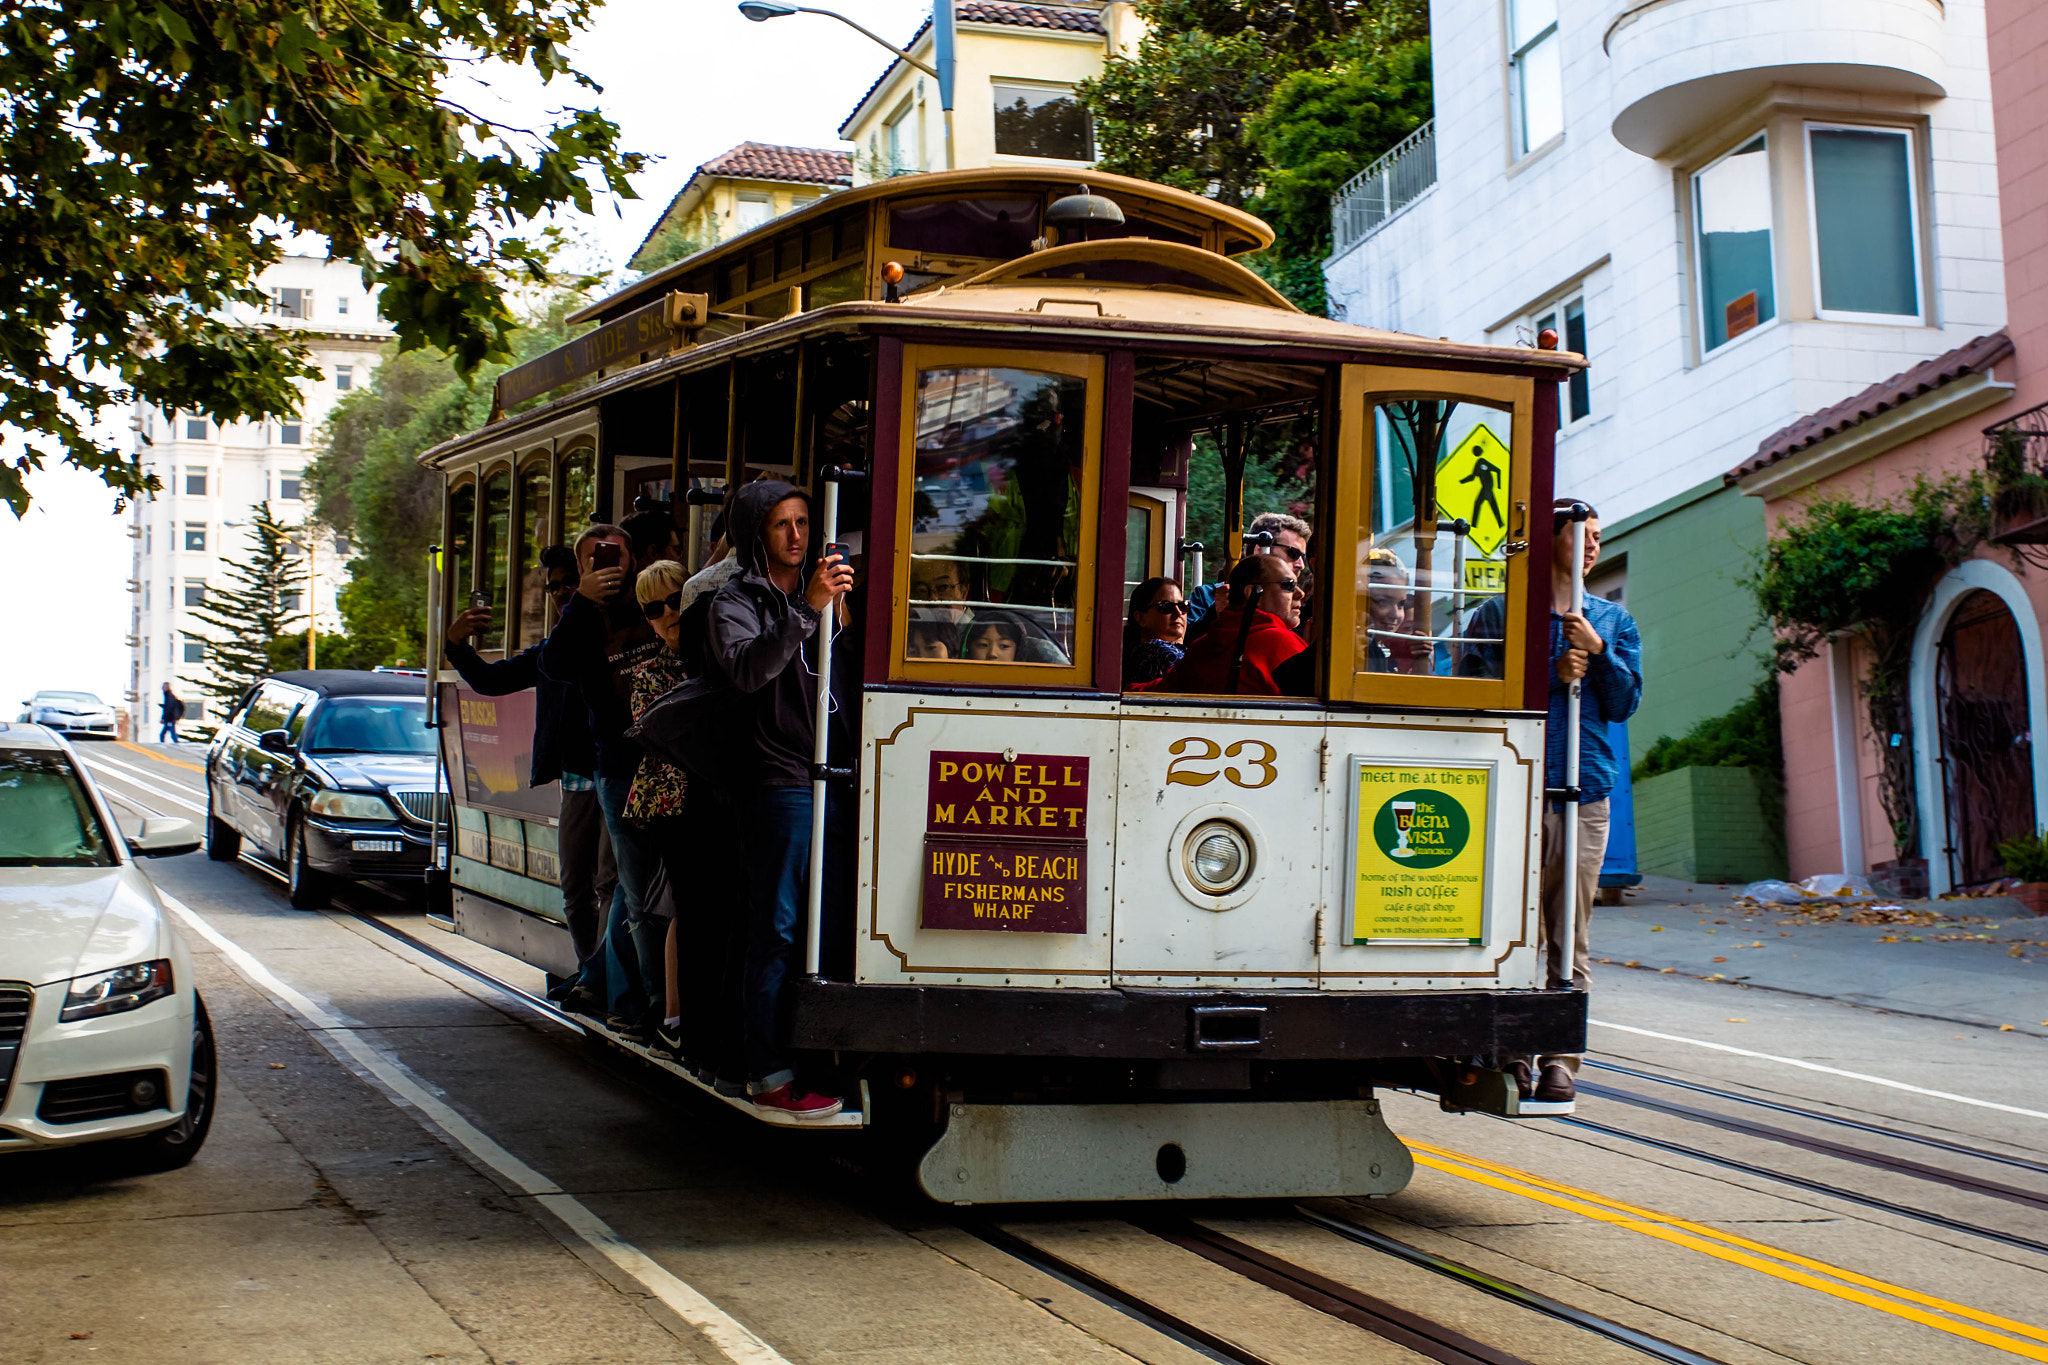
[1977, 690]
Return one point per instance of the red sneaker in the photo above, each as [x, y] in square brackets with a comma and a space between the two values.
[784, 1099]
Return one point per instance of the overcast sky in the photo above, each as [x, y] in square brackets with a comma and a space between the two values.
[684, 79]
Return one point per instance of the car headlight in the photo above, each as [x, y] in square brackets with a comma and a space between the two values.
[117, 991]
[1218, 857]
[350, 806]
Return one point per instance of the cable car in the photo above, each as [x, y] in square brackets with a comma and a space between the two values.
[1108, 941]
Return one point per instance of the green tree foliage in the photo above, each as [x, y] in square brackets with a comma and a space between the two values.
[1279, 476]
[1252, 104]
[367, 483]
[668, 245]
[158, 156]
[1326, 124]
[1845, 567]
[258, 609]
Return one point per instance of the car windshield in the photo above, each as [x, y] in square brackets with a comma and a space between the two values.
[85, 697]
[370, 725]
[46, 819]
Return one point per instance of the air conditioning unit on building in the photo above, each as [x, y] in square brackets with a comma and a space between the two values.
[134, 531]
[135, 585]
[133, 642]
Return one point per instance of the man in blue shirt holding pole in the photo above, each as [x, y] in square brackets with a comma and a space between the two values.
[1593, 642]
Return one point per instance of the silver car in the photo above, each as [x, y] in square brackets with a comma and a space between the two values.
[70, 713]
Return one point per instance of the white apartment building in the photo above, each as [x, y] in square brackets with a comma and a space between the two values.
[213, 475]
[1741, 211]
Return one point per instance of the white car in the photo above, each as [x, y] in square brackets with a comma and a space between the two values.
[102, 1032]
[71, 713]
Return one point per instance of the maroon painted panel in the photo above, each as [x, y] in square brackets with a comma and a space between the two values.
[1116, 497]
[1542, 491]
[1006, 842]
[885, 460]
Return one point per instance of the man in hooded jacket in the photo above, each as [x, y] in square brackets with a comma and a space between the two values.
[763, 627]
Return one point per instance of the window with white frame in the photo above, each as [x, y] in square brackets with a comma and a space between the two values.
[341, 304]
[1535, 73]
[195, 536]
[1866, 231]
[344, 377]
[1732, 260]
[195, 481]
[195, 649]
[1567, 317]
[195, 427]
[290, 485]
[899, 141]
[195, 592]
[1043, 121]
[289, 433]
[752, 210]
[291, 303]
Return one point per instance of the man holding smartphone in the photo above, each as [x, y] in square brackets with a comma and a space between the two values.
[602, 637]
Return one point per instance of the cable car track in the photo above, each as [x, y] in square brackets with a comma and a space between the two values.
[1940, 1144]
[1334, 1298]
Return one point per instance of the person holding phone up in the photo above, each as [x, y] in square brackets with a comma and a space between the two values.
[601, 638]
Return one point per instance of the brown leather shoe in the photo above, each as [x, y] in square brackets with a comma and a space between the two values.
[1557, 1085]
[1525, 1086]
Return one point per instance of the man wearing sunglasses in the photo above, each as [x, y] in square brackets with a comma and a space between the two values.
[1289, 542]
[562, 752]
[1247, 640]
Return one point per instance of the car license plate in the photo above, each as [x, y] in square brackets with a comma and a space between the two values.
[375, 845]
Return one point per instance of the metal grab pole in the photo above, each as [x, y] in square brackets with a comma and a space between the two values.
[814, 928]
[1569, 938]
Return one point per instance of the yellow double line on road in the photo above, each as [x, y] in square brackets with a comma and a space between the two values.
[2018, 1338]
[155, 757]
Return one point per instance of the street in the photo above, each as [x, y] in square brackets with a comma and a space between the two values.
[412, 1163]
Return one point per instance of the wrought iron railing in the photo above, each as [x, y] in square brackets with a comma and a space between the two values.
[1377, 194]
[2016, 457]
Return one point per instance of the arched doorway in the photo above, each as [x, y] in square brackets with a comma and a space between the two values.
[1986, 743]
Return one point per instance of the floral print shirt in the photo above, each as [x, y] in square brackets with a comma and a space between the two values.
[658, 787]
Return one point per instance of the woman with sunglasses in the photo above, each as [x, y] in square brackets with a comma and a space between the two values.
[1156, 630]
[656, 800]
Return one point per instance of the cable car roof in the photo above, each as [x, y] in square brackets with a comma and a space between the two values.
[1236, 231]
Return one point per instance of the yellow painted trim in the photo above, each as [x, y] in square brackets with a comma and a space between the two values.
[1741, 1251]
[1081, 672]
[1357, 456]
[1155, 537]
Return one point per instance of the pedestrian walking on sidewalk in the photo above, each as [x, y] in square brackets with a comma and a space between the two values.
[170, 711]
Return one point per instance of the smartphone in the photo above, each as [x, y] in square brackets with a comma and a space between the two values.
[835, 548]
[479, 601]
[604, 555]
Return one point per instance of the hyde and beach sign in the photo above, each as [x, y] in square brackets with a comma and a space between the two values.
[1006, 842]
[1419, 854]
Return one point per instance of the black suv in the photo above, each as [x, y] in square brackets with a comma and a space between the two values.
[327, 773]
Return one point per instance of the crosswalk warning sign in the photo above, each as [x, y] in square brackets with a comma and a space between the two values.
[1472, 484]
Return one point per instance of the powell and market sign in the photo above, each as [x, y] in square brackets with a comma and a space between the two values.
[647, 333]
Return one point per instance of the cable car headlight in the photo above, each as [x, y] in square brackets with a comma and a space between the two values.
[1218, 856]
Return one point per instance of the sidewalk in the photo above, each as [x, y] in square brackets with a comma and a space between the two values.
[1973, 961]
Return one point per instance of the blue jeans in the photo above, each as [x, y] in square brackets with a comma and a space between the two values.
[633, 941]
[778, 848]
[167, 733]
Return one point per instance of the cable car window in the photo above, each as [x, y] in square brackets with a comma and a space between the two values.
[533, 538]
[579, 491]
[461, 546]
[998, 227]
[494, 534]
[1437, 580]
[1001, 506]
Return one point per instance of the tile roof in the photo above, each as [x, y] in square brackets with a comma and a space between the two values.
[764, 161]
[1973, 357]
[1062, 18]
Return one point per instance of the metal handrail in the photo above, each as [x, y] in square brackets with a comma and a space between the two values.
[1376, 195]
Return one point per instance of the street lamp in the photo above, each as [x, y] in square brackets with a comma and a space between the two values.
[761, 11]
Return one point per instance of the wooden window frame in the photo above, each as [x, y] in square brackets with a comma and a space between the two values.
[1155, 532]
[451, 589]
[1351, 522]
[1089, 367]
[542, 456]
